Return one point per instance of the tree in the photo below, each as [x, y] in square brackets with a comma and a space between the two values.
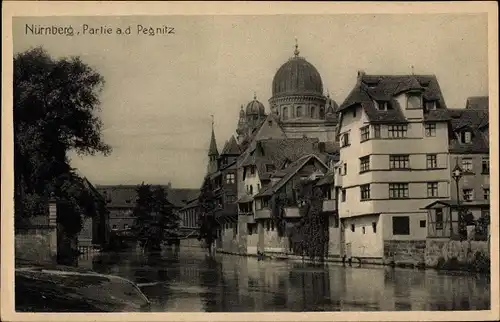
[55, 105]
[278, 203]
[143, 213]
[207, 206]
[313, 226]
[167, 219]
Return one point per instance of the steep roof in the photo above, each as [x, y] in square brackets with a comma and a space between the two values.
[213, 144]
[477, 102]
[474, 120]
[370, 88]
[125, 195]
[231, 147]
[288, 174]
[277, 151]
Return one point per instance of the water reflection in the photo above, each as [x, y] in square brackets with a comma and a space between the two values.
[189, 281]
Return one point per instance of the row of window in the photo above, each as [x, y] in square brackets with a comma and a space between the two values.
[401, 191]
[299, 112]
[393, 131]
[467, 165]
[125, 226]
[400, 226]
[249, 188]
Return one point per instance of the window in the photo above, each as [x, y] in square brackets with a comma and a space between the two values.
[431, 161]
[127, 200]
[354, 113]
[252, 169]
[465, 137]
[398, 190]
[401, 225]
[345, 168]
[468, 194]
[313, 112]
[376, 131]
[322, 112]
[381, 105]
[485, 165]
[285, 113]
[270, 168]
[432, 189]
[270, 123]
[299, 111]
[399, 162]
[272, 225]
[365, 191]
[125, 226]
[365, 133]
[364, 164]
[344, 195]
[353, 228]
[430, 129]
[422, 223]
[430, 105]
[374, 227]
[251, 190]
[413, 102]
[230, 178]
[265, 203]
[258, 187]
[439, 219]
[114, 226]
[363, 230]
[467, 164]
[397, 131]
[336, 222]
[230, 199]
[486, 193]
[345, 139]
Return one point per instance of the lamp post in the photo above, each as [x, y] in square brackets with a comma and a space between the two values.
[456, 174]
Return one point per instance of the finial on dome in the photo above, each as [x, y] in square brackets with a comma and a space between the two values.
[412, 70]
[212, 121]
[327, 93]
[296, 52]
[254, 95]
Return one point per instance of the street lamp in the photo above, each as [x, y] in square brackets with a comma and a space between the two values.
[456, 174]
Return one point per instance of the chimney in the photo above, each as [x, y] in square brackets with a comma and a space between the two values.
[169, 185]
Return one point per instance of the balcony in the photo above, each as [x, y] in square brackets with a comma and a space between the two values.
[292, 212]
[263, 213]
[329, 205]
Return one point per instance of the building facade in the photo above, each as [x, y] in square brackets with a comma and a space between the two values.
[393, 161]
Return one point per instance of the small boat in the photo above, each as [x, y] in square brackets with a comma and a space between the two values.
[54, 288]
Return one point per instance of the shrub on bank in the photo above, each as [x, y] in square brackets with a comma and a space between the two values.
[480, 263]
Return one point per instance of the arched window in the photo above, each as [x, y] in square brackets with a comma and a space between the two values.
[285, 113]
[299, 111]
[413, 102]
[322, 112]
[313, 111]
[251, 189]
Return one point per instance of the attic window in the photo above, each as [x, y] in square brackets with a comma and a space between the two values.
[413, 102]
[381, 105]
[465, 137]
[270, 123]
[430, 106]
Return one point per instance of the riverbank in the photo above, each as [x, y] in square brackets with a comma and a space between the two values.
[480, 265]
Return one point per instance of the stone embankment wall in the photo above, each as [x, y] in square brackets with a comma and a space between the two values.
[191, 242]
[451, 254]
[404, 252]
[36, 244]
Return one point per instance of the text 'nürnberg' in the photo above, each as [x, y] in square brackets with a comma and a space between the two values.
[97, 30]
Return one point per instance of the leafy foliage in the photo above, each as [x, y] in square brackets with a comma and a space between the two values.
[313, 226]
[278, 202]
[207, 206]
[155, 219]
[55, 105]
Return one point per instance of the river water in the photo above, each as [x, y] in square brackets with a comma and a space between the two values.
[188, 281]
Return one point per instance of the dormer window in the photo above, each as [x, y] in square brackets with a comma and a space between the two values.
[381, 105]
[465, 137]
[430, 106]
[413, 102]
[270, 168]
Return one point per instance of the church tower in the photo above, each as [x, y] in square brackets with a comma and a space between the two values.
[213, 154]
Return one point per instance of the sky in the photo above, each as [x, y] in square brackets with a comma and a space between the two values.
[161, 90]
